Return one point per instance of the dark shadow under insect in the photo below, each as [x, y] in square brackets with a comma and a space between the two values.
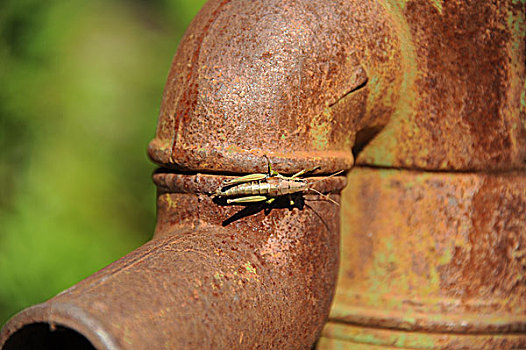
[254, 208]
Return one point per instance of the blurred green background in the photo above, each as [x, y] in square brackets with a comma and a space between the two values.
[80, 87]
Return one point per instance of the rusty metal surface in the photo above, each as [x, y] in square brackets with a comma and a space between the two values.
[464, 94]
[430, 260]
[287, 79]
[353, 337]
[442, 83]
[262, 281]
[439, 255]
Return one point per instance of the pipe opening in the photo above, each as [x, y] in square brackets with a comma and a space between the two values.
[43, 336]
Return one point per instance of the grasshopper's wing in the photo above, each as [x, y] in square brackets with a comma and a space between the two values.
[249, 199]
[243, 179]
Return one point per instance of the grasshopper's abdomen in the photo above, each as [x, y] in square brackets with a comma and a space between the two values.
[248, 189]
[272, 187]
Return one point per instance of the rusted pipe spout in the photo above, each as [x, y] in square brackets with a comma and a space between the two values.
[264, 281]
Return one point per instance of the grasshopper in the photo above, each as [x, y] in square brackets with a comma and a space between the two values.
[254, 188]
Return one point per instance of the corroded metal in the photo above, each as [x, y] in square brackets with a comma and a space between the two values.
[347, 336]
[441, 255]
[287, 79]
[441, 83]
[263, 280]
[464, 94]
[436, 260]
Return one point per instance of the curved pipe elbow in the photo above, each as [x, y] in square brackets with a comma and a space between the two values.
[289, 80]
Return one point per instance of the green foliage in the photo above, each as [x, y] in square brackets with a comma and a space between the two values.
[81, 86]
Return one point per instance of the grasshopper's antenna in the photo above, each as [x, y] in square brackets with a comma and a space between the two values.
[331, 175]
[324, 196]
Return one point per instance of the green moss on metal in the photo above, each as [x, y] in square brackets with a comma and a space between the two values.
[384, 259]
[234, 149]
[169, 200]
[320, 128]
[380, 150]
[374, 85]
[250, 268]
[438, 5]
[517, 26]
[353, 337]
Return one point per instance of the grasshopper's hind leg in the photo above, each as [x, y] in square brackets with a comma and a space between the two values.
[245, 200]
[244, 179]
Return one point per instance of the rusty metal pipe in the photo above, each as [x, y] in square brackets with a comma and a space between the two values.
[304, 83]
[433, 226]
[265, 280]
